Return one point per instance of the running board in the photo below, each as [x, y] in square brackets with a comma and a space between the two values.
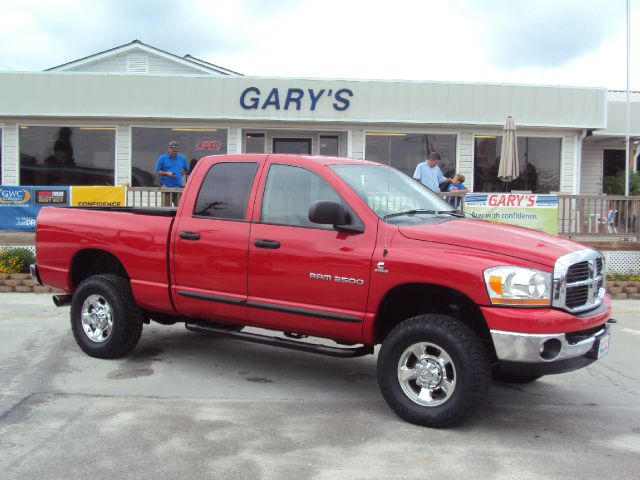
[284, 342]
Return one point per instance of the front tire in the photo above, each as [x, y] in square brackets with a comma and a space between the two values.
[105, 320]
[433, 370]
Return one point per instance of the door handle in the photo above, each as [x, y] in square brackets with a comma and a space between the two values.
[190, 236]
[271, 244]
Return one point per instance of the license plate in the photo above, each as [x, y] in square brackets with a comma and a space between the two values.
[603, 347]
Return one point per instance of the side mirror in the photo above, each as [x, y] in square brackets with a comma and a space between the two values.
[327, 212]
[332, 213]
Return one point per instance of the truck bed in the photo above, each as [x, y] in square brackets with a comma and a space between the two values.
[140, 244]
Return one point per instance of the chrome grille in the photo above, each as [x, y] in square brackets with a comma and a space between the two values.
[578, 281]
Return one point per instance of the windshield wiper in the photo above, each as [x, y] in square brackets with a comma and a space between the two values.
[455, 213]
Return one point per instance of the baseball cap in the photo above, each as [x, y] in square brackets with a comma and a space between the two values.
[174, 145]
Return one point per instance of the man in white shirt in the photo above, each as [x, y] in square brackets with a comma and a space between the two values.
[429, 174]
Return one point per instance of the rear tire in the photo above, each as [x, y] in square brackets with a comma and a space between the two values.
[105, 320]
[433, 370]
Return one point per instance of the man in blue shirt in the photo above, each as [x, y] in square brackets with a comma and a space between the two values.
[429, 174]
[171, 166]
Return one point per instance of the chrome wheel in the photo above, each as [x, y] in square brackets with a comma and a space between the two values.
[427, 374]
[97, 318]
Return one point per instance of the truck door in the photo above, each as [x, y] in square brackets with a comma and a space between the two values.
[305, 277]
[209, 264]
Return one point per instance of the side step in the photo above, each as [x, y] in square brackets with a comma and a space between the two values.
[284, 342]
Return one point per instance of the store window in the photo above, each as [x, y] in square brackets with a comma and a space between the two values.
[147, 144]
[67, 155]
[405, 151]
[254, 143]
[328, 145]
[539, 160]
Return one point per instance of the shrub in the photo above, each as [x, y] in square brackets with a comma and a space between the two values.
[615, 185]
[623, 277]
[16, 260]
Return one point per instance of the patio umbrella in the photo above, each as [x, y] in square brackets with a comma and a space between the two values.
[509, 168]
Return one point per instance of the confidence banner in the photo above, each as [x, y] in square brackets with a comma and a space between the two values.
[539, 212]
[98, 197]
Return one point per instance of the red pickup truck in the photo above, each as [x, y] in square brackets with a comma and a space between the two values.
[347, 250]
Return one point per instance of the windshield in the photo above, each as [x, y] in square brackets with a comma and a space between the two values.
[390, 192]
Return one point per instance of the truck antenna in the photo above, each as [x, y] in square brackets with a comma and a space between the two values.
[385, 250]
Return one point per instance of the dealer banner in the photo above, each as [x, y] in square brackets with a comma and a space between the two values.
[539, 212]
[19, 206]
[98, 196]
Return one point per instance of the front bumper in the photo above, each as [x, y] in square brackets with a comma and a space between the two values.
[542, 354]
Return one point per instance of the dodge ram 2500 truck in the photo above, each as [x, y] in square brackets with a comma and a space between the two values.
[347, 250]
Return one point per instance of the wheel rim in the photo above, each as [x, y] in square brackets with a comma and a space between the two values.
[97, 318]
[427, 374]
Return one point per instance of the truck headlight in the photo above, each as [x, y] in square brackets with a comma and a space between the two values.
[509, 285]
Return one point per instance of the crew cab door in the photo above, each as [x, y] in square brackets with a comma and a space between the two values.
[306, 277]
[210, 242]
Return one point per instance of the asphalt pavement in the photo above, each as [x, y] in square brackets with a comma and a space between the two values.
[187, 405]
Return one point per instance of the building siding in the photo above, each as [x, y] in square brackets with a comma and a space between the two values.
[123, 155]
[464, 160]
[156, 65]
[591, 172]
[568, 164]
[10, 154]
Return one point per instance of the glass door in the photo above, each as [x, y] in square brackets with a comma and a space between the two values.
[300, 146]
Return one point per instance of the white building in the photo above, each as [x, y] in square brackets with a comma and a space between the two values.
[105, 118]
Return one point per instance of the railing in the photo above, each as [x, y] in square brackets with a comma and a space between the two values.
[600, 216]
[153, 196]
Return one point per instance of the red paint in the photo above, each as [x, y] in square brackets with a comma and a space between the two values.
[319, 270]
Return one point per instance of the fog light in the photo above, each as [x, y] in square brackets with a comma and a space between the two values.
[550, 349]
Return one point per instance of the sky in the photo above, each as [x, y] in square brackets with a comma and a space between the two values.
[541, 42]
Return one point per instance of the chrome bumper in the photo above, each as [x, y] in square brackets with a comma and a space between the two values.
[33, 269]
[543, 348]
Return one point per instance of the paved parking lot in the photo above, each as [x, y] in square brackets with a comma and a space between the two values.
[185, 405]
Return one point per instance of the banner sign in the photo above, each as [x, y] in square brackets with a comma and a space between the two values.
[539, 212]
[98, 197]
[19, 206]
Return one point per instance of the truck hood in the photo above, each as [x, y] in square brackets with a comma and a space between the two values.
[517, 242]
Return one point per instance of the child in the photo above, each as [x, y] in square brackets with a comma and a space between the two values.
[457, 187]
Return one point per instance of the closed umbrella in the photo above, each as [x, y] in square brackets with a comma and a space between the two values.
[509, 168]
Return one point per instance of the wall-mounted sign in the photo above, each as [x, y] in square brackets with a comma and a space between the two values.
[295, 98]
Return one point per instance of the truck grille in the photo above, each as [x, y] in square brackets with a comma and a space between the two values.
[579, 281]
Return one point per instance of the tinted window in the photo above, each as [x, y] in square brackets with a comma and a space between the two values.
[405, 151]
[67, 155]
[254, 143]
[329, 146]
[288, 194]
[149, 143]
[538, 157]
[225, 190]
